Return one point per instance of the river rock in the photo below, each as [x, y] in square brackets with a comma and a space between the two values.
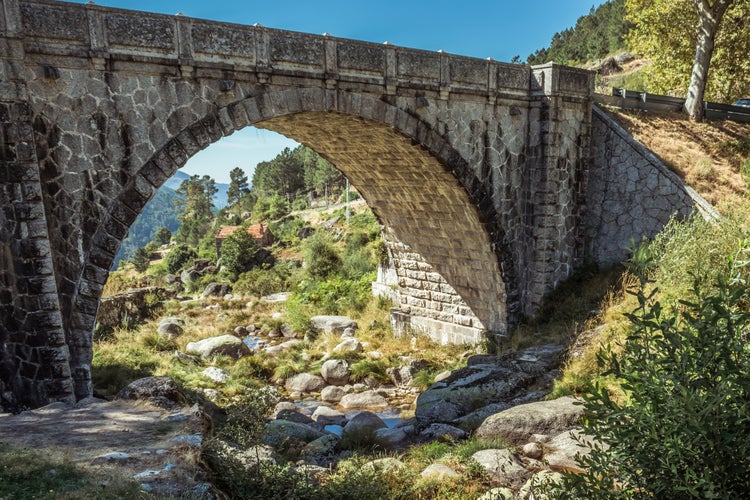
[366, 399]
[283, 432]
[304, 382]
[332, 394]
[362, 423]
[332, 324]
[517, 424]
[227, 345]
[502, 466]
[159, 391]
[321, 451]
[328, 416]
[473, 387]
[435, 432]
[439, 472]
[392, 438]
[336, 371]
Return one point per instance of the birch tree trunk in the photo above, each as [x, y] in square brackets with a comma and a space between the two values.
[709, 15]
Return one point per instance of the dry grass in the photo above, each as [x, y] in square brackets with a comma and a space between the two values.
[706, 155]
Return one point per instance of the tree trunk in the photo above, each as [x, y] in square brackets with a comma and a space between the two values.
[709, 19]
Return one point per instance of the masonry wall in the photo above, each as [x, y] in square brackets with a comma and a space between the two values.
[631, 193]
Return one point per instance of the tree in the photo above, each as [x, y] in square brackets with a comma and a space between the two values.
[163, 236]
[141, 259]
[197, 205]
[666, 32]
[238, 251]
[709, 19]
[237, 185]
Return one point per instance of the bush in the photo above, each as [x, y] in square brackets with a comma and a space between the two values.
[321, 257]
[683, 430]
[238, 251]
[178, 257]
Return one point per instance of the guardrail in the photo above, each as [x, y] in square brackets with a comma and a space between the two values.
[630, 99]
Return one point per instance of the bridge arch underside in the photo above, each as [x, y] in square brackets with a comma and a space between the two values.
[447, 270]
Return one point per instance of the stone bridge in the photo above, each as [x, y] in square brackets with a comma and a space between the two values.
[477, 169]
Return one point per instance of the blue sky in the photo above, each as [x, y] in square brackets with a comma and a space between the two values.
[499, 29]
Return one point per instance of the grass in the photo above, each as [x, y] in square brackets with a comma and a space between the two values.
[35, 474]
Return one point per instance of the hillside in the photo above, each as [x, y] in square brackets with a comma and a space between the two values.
[712, 157]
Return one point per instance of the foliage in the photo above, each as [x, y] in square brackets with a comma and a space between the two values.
[665, 32]
[159, 212]
[321, 258]
[238, 251]
[141, 259]
[237, 185]
[178, 257]
[163, 236]
[196, 203]
[595, 35]
[683, 430]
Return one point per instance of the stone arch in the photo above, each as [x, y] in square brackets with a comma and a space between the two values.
[340, 126]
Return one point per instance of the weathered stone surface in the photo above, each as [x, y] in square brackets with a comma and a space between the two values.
[363, 422]
[332, 324]
[503, 466]
[484, 384]
[491, 159]
[336, 371]
[226, 345]
[304, 382]
[332, 394]
[328, 416]
[280, 433]
[519, 423]
[160, 391]
[366, 399]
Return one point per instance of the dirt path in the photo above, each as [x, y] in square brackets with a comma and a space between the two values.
[158, 448]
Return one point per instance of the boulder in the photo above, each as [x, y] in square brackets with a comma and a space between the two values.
[328, 416]
[216, 374]
[226, 345]
[435, 432]
[332, 324]
[321, 451]
[335, 371]
[171, 327]
[563, 448]
[502, 466]
[363, 422]
[349, 345]
[282, 433]
[332, 394]
[216, 290]
[392, 438]
[294, 416]
[516, 425]
[304, 382]
[366, 399]
[474, 387]
[439, 472]
[159, 391]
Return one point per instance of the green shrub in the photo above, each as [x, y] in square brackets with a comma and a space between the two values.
[178, 257]
[321, 258]
[684, 430]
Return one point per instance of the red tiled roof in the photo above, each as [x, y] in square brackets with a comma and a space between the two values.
[256, 231]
